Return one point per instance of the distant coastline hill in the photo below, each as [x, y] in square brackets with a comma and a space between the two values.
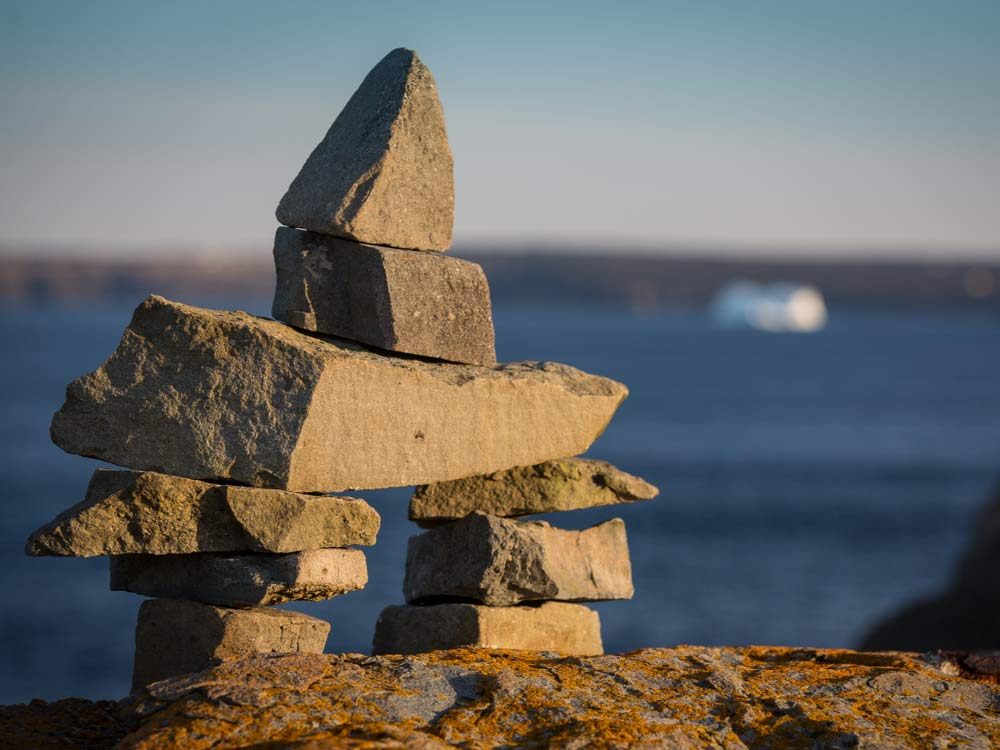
[547, 277]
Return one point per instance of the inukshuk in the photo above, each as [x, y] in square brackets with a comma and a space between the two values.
[379, 371]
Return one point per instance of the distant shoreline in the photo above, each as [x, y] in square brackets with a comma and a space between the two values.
[547, 277]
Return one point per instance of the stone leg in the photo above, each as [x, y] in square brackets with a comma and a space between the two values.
[242, 580]
[176, 637]
[554, 626]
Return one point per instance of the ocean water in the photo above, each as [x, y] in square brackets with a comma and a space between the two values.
[810, 483]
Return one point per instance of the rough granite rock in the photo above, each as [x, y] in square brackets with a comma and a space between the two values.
[383, 173]
[132, 512]
[552, 626]
[242, 580]
[417, 303]
[560, 484]
[175, 637]
[210, 395]
[499, 562]
[690, 698]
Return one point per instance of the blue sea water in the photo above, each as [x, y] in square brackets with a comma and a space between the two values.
[810, 483]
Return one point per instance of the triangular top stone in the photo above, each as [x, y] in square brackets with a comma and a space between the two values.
[383, 174]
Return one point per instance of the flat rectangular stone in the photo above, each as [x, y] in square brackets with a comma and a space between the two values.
[498, 562]
[175, 637]
[133, 512]
[242, 580]
[557, 485]
[570, 629]
[400, 300]
[224, 395]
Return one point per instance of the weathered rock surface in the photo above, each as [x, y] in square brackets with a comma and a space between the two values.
[553, 626]
[242, 580]
[690, 697]
[417, 303]
[131, 512]
[210, 395]
[383, 173]
[560, 484]
[499, 562]
[175, 637]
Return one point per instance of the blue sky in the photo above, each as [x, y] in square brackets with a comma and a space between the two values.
[770, 127]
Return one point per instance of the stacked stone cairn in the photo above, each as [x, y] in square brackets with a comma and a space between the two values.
[379, 370]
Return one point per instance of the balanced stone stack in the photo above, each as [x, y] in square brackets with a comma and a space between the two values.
[379, 370]
[214, 555]
[481, 578]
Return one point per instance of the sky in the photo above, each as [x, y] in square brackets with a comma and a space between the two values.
[799, 127]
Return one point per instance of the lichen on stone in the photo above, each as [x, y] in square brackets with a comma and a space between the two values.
[685, 697]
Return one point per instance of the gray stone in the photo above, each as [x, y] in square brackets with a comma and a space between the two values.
[497, 561]
[242, 580]
[383, 173]
[132, 512]
[400, 300]
[558, 485]
[225, 395]
[175, 637]
[571, 629]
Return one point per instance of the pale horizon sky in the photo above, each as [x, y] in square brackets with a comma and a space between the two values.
[811, 128]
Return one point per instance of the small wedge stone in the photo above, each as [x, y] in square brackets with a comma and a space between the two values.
[144, 512]
[242, 580]
[225, 395]
[403, 301]
[557, 485]
[498, 562]
[175, 637]
[570, 629]
[383, 173]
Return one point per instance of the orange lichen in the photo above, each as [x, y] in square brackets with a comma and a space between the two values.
[685, 697]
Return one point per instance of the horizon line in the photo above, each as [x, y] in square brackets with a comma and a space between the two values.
[521, 246]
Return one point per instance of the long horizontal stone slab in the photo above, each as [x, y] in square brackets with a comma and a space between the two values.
[175, 637]
[497, 561]
[400, 300]
[557, 485]
[571, 629]
[242, 580]
[133, 512]
[225, 395]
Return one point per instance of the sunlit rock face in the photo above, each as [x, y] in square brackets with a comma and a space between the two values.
[686, 697]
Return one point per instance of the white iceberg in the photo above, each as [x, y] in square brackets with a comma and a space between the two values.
[770, 307]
